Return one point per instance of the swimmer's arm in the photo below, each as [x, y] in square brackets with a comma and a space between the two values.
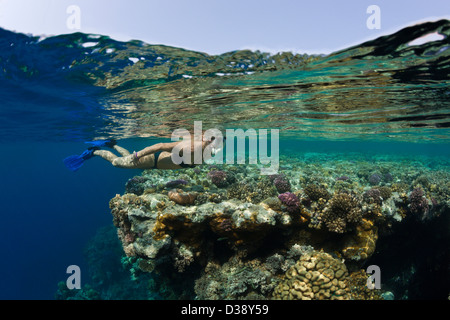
[156, 148]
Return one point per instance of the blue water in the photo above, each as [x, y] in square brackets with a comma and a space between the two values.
[55, 94]
[48, 215]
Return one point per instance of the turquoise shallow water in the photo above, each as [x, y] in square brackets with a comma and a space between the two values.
[379, 106]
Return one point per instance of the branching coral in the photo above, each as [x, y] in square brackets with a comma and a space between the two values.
[175, 183]
[235, 279]
[251, 191]
[221, 179]
[375, 179]
[385, 192]
[282, 184]
[341, 210]
[358, 287]
[314, 192]
[183, 258]
[373, 196]
[135, 185]
[418, 204]
[291, 201]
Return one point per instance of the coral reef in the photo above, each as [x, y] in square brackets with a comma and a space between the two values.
[227, 232]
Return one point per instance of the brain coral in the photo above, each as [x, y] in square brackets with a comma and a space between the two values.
[316, 276]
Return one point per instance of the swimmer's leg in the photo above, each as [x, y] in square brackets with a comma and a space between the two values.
[110, 144]
[127, 162]
[107, 155]
[123, 152]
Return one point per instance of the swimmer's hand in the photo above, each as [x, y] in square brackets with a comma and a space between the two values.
[135, 157]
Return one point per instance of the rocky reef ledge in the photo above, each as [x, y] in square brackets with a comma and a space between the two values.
[308, 232]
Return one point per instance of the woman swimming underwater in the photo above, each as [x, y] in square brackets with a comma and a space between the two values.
[158, 156]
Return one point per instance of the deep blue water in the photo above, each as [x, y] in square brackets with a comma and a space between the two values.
[56, 93]
[48, 214]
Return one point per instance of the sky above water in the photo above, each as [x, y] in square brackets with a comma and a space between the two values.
[214, 27]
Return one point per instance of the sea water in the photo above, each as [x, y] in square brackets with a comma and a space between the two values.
[383, 101]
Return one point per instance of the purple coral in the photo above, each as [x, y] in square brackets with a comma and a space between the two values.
[197, 170]
[226, 225]
[375, 179]
[272, 177]
[388, 177]
[221, 178]
[282, 184]
[434, 202]
[418, 204]
[174, 183]
[135, 185]
[291, 201]
[373, 196]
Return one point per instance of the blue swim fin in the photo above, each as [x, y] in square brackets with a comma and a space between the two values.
[103, 143]
[75, 162]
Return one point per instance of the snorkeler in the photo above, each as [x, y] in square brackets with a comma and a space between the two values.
[157, 156]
